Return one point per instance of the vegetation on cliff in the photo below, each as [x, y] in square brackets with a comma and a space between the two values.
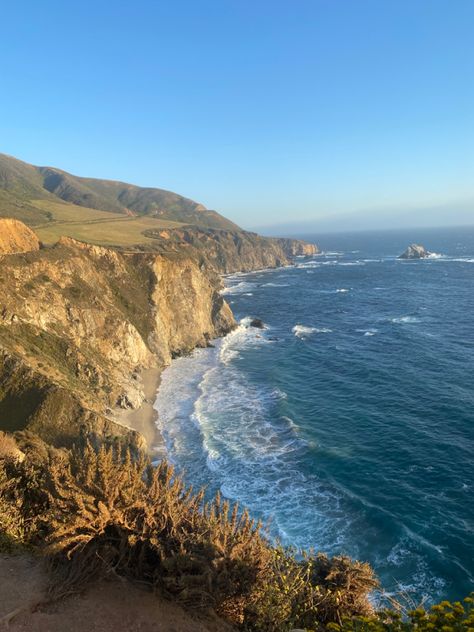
[23, 185]
[92, 511]
[109, 213]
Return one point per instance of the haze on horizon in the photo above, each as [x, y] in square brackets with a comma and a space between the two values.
[276, 114]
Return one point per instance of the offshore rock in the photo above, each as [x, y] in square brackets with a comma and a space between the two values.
[415, 251]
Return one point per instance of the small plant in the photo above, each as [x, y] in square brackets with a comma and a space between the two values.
[443, 617]
[8, 447]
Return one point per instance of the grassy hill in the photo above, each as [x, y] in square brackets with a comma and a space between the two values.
[103, 211]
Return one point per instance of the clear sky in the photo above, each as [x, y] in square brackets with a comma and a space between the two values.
[266, 110]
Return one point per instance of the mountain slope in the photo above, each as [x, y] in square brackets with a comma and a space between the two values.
[21, 184]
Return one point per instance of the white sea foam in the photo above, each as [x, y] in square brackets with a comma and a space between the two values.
[368, 332]
[275, 285]
[239, 288]
[351, 263]
[228, 432]
[461, 260]
[242, 338]
[342, 290]
[302, 331]
[310, 264]
[405, 319]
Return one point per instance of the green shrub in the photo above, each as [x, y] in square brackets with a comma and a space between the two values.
[443, 617]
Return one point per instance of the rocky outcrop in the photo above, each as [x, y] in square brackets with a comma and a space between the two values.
[225, 251]
[16, 237]
[297, 247]
[415, 251]
[78, 323]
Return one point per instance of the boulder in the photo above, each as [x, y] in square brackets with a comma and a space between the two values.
[256, 322]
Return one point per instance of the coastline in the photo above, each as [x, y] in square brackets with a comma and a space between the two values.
[143, 419]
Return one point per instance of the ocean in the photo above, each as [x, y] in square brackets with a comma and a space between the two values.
[347, 423]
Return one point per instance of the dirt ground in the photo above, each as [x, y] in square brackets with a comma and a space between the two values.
[106, 606]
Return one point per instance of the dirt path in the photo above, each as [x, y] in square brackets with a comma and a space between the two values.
[107, 606]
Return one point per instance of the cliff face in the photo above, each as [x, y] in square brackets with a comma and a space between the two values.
[78, 322]
[297, 247]
[231, 251]
[16, 237]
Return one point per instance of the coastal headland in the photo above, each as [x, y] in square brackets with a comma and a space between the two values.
[86, 326]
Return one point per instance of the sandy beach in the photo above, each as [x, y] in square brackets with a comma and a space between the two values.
[143, 419]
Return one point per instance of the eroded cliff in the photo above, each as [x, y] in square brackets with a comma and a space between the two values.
[231, 251]
[79, 322]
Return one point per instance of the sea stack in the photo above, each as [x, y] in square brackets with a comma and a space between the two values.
[415, 251]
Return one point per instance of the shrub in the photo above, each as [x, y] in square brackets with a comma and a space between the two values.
[8, 447]
[107, 511]
[443, 617]
[12, 522]
[100, 510]
[311, 591]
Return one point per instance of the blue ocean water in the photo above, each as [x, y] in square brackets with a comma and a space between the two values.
[348, 422]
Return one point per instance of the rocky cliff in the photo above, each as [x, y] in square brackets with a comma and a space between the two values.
[226, 251]
[79, 322]
[16, 237]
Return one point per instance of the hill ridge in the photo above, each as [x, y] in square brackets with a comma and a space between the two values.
[21, 183]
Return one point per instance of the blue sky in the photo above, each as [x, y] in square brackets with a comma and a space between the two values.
[267, 111]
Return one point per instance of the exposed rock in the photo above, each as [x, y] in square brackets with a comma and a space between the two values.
[256, 322]
[297, 247]
[415, 251]
[16, 237]
[78, 321]
[225, 251]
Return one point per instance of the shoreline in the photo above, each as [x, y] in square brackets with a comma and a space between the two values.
[143, 419]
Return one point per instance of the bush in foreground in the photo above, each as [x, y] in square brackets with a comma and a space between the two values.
[97, 511]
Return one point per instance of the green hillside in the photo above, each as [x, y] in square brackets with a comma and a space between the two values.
[32, 194]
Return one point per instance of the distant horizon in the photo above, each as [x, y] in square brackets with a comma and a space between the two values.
[311, 227]
[402, 229]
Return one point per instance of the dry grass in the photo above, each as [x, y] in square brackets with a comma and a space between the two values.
[101, 511]
[8, 447]
[96, 227]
